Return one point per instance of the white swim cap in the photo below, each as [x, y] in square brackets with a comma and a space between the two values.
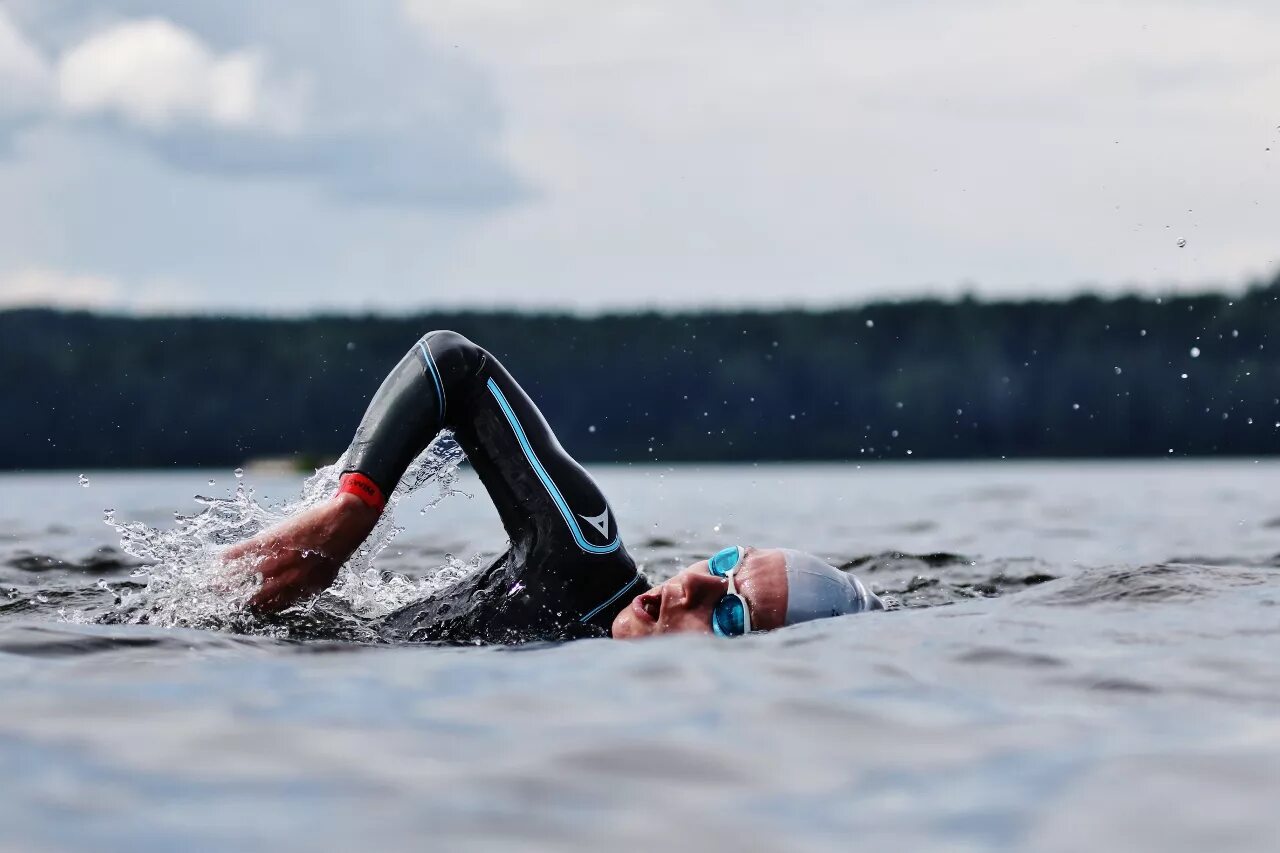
[816, 590]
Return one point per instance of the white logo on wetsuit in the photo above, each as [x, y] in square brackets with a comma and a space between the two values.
[599, 522]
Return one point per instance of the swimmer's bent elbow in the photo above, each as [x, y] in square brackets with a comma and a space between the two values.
[456, 358]
[411, 406]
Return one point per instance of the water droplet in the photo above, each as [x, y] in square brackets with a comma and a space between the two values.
[84, 481]
[1181, 243]
[1118, 371]
[894, 433]
[1142, 333]
[351, 345]
[1195, 352]
[591, 428]
[1184, 376]
[239, 473]
[1235, 333]
[715, 529]
[211, 483]
[871, 324]
[1075, 406]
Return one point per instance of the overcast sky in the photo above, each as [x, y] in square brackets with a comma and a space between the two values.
[165, 155]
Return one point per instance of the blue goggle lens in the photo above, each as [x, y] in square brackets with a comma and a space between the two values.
[728, 619]
[724, 561]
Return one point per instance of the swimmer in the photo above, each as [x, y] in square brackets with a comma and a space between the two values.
[566, 574]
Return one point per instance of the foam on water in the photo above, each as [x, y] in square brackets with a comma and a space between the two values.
[189, 585]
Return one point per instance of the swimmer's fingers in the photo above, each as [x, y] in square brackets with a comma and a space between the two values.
[256, 551]
[278, 593]
[272, 597]
[236, 570]
[285, 585]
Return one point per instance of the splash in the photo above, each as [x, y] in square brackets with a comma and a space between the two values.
[188, 585]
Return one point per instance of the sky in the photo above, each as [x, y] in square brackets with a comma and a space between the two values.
[404, 155]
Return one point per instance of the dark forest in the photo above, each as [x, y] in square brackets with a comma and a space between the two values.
[926, 379]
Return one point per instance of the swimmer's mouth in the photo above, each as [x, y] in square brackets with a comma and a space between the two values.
[648, 606]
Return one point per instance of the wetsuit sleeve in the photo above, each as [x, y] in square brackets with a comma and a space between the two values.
[564, 537]
[404, 416]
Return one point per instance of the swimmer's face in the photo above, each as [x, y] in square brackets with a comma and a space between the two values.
[684, 603]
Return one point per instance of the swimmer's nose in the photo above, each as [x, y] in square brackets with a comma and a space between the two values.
[703, 589]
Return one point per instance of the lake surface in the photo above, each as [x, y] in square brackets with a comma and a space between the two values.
[1086, 656]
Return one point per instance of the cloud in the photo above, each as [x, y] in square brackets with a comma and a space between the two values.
[604, 154]
[48, 287]
[716, 151]
[158, 75]
[24, 74]
[373, 115]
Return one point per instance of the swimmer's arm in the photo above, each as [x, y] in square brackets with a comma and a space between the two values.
[302, 556]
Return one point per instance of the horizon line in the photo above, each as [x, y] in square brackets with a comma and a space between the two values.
[707, 309]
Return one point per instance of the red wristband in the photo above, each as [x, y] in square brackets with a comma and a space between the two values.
[362, 487]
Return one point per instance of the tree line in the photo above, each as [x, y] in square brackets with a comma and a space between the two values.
[925, 379]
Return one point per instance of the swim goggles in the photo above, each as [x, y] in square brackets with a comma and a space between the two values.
[730, 618]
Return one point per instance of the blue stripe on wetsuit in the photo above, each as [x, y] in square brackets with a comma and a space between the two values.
[610, 600]
[435, 374]
[550, 486]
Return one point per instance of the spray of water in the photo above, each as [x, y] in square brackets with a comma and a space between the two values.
[187, 583]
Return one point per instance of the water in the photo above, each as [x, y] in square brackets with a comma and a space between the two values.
[1087, 658]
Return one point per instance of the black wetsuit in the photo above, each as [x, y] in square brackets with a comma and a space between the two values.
[566, 574]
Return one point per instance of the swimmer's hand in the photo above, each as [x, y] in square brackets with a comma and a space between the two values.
[301, 556]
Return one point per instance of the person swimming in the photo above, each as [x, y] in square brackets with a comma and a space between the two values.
[566, 574]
